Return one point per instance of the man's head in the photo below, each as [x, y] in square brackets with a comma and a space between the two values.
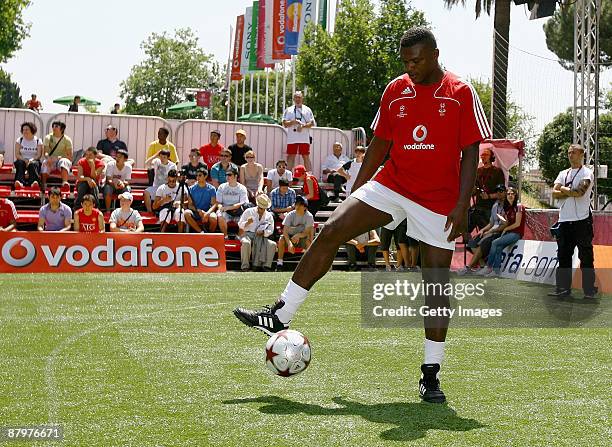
[299, 172]
[77, 99]
[58, 127]
[232, 176]
[301, 204]
[501, 192]
[33, 97]
[201, 175]
[91, 152]
[337, 149]
[111, 132]
[122, 156]
[172, 178]
[281, 165]
[214, 137]
[225, 155]
[360, 153]
[575, 154]
[164, 155]
[283, 186]
[55, 197]
[125, 199]
[419, 54]
[194, 156]
[298, 98]
[162, 134]
[88, 202]
[240, 136]
[117, 106]
[487, 156]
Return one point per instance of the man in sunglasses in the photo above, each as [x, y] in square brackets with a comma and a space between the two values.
[219, 169]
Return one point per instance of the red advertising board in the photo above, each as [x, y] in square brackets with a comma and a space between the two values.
[69, 252]
[279, 30]
[237, 55]
[203, 98]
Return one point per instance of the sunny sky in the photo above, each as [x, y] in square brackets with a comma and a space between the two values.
[89, 47]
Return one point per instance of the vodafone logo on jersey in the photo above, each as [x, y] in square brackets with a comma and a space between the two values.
[418, 135]
[140, 252]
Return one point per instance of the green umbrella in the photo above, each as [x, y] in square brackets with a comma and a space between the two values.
[257, 118]
[85, 101]
[188, 106]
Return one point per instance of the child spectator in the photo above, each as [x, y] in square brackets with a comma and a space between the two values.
[88, 219]
[89, 174]
[125, 219]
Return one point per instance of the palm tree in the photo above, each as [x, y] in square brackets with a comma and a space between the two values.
[501, 38]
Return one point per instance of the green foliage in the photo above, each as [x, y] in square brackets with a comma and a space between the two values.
[13, 29]
[346, 73]
[10, 95]
[559, 32]
[479, 5]
[172, 64]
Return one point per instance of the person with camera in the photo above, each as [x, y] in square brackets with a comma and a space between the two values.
[256, 226]
[572, 189]
[170, 201]
[231, 197]
[298, 118]
[488, 177]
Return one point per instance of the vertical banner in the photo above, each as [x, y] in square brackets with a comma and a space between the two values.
[237, 56]
[279, 31]
[261, 36]
[246, 41]
[322, 14]
[292, 21]
[254, 40]
[268, 30]
[309, 8]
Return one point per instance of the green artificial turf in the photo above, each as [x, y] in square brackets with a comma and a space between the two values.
[159, 360]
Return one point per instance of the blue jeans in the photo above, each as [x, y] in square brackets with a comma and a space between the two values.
[497, 247]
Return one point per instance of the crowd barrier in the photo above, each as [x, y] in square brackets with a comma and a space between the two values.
[10, 129]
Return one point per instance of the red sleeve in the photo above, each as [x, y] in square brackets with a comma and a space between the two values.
[473, 126]
[382, 124]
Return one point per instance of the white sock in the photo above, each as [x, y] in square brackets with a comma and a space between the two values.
[293, 296]
[279, 261]
[434, 352]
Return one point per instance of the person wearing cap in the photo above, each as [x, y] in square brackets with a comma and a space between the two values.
[330, 168]
[88, 219]
[350, 169]
[118, 177]
[111, 144]
[125, 219]
[298, 230]
[161, 165]
[89, 175]
[211, 152]
[202, 205]
[217, 173]
[239, 148]
[298, 119]
[256, 226]
[191, 169]
[310, 187]
[231, 196]
[481, 244]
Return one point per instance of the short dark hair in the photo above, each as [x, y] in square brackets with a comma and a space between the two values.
[202, 170]
[195, 150]
[164, 152]
[283, 182]
[92, 149]
[55, 191]
[164, 130]
[418, 34]
[281, 161]
[31, 125]
[172, 173]
[61, 125]
[124, 153]
[301, 200]
[88, 197]
[77, 97]
[232, 171]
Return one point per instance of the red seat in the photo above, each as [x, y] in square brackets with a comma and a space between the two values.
[27, 191]
[5, 191]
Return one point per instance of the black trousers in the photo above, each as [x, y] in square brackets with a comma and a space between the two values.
[83, 188]
[576, 234]
[338, 181]
[33, 170]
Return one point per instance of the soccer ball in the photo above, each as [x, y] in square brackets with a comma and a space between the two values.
[287, 353]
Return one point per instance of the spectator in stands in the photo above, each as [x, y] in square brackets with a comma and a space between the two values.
[162, 143]
[256, 226]
[512, 231]
[231, 196]
[211, 152]
[310, 187]
[350, 169]
[74, 107]
[28, 152]
[488, 177]
[201, 213]
[88, 219]
[239, 149]
[118, 177]
[274, 175]
[161, 165]
[125, 219]
[88, 178]
[481, 244]
[111, 144]
[166, 203]
[330, 168]
[8, 215]
[298, 230]
[217, 173]
[34, 104]
[298, 119]
[58, 153]
[283, 199]
[401, 244]
[191, 169]
[364, 244]
[116, 109]
[252, 176]
[55, 215]
[572, 188]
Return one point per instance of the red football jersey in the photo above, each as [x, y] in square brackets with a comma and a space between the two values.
[8, 213]
[428, 125]
[210, 154]
[89, 224]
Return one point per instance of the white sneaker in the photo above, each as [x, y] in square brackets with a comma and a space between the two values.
[465, 271]
[484, 271]
[388, 268]
[492, 274]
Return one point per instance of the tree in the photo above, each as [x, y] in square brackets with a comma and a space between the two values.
[10, 95]
[559, 31]
[346, 73]
[172, 64]
[13, 29]
[501, 25]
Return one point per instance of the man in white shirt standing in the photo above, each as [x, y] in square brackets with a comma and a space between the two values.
[573, 191]
[256, 226]
[298, 118]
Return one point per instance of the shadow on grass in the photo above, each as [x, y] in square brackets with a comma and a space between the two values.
[412, 420]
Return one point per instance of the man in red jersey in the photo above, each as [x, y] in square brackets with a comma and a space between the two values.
[211, 152]
[427, 117]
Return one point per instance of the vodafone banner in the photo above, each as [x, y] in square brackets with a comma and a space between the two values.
[279, 30]
[237, 55]
[26, 252]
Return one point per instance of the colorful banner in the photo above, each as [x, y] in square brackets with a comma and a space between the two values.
[261, 36]
[279, 31]
[237, 54]
[246, 41]
[254, 39]
[309, 8]
[293, 17]
[203, 98]
[69, 252]
[322, 14]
